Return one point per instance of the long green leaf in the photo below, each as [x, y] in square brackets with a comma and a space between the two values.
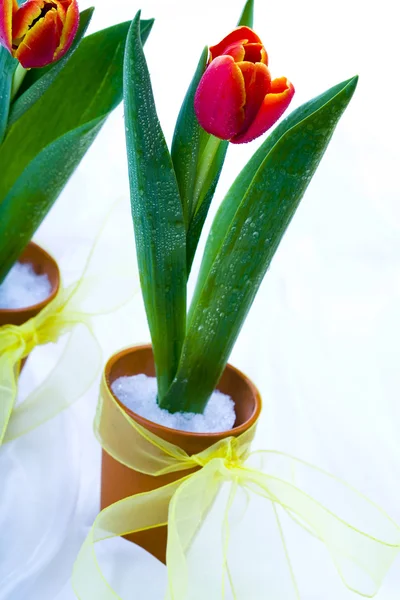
[226, 212]
[89, 86]
[198, 157]
[247, 16]
[82, 95]
[43, 180]
[189, 151]
[37, 81]
[186, 140]
[248, 247]
[157, 215]
[7, 68]
[210, 152]
[200, 215]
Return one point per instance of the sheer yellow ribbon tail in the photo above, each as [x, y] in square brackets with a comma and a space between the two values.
[10, 353]
[105, 285]
[68, 381]
[362, 540]
[17, 342]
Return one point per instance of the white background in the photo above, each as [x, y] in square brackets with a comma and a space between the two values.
[322, 339]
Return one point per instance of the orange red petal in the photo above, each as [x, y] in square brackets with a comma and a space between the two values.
[69, 30]
[274, 105]
[255, 53]
[24, 18]
[7, 9]
[235, 50]
[39, 45]
[239, 35]
[257, 82]
[40, 31]
[220, 98]
[62, 7]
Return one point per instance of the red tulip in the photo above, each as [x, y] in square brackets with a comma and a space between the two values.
[40, 31]
[236, 99]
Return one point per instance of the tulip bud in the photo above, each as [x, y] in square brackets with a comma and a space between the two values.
[236, 99]
[40, 31]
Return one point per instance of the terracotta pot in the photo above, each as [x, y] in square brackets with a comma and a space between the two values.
[118, 481]
[42, 263]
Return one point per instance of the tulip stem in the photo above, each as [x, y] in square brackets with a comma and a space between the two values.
[19, 76]
[205, 164]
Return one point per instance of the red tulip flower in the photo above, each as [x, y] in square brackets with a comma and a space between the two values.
[40, 31]
[236, 99]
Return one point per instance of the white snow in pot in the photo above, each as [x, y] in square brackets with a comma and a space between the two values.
[139, 394]
[23, 287]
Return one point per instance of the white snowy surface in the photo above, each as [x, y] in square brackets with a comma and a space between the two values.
[23, 287]
[322, 341]
[139, 394]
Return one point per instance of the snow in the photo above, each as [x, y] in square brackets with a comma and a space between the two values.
[23, 287]
[139, 394]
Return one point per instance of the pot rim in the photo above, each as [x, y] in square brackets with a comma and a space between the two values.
[146, 423]
[39, 306]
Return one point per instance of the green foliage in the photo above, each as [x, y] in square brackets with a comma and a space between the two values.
[186, 142]
[157, 215]
[190, 154]
[7, 67]
[244, 238]
[206, 193]
[198, 157]
[247, 16]
[45, 145]
[37, 81]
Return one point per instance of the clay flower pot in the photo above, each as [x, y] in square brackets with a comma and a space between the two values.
[118, 481]
[42, 263]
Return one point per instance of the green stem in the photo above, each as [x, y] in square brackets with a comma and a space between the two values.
[19, 77]
[205, 164]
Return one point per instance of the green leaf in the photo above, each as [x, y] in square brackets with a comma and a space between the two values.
[157, 215]
[249, 244]
[198, 157]
[197, 170]
[186, 142]
[43, 180]
[89, 86]
[7, 67]
[199, 217]
[224, 218]
[247, 16]
[80, 98]
[37, 81]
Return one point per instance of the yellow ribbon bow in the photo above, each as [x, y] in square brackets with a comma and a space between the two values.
[60, 389]
[362, 540]
[104, 286]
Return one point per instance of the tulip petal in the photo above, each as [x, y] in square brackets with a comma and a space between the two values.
[40, 43]
[24, 17]
[62, 7]
[235, 50]
[257, 82]
[255, 53]
[238, 35]
[69, 30]
[7, 9]
[274, 105]
[220, 98]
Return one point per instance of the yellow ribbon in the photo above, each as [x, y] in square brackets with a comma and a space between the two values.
[361, 538]
[64, 385]
[104, 286]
